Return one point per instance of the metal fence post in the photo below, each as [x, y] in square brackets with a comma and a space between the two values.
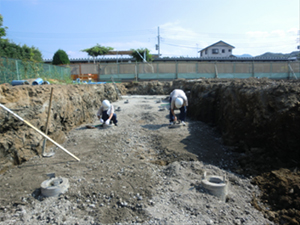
[17, 69]
[99, 72]
[271, 68]
[253, 73]
[136, 71]
[289, 71]
[216, 70]
[234, 67]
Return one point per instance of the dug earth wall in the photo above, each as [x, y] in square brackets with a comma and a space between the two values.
[71, 106]
[257, 117]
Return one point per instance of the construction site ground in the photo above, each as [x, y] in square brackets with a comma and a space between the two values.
[140, 171]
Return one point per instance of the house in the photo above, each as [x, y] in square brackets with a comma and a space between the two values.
[219, 49]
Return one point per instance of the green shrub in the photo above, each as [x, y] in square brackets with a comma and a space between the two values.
[60, 58]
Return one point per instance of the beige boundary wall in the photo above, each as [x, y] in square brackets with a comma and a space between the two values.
[188, 70]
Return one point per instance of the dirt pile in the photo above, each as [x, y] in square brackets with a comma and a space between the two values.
[281, 190]
[258, 120]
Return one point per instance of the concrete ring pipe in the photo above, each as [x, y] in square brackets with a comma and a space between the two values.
[216, 185]
[54, 186]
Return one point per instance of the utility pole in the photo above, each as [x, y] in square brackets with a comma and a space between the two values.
[158, 44]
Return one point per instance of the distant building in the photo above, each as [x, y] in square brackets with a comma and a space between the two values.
[219, 49]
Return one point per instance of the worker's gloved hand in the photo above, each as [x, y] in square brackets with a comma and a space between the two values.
[101, 120]
[107, 122]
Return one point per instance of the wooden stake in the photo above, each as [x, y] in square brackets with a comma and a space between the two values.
[40, 132]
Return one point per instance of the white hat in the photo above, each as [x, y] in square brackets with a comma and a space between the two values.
[106, 104]
[178, 103]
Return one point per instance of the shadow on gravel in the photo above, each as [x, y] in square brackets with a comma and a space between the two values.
[37, 194]
[205, 142]
[154, 126]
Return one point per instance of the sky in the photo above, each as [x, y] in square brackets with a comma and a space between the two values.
[184, 27]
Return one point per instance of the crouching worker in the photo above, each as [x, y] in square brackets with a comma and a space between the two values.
[178, 100]
[106, 113]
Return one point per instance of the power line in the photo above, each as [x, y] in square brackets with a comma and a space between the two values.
[181, 46]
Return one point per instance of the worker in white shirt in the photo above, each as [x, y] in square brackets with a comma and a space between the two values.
[106, 113]
[178, 100]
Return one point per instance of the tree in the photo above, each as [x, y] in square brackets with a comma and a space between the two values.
[26, 52]
[37, 55]
[60, 57]
[2, 34]
[97, 50]
[141, 54]
[11, 50]
[2, 29]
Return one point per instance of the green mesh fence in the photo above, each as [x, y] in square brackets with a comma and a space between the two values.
[12, 69]
[188, 70]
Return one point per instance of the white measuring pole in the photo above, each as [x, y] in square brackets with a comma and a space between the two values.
[40, 132]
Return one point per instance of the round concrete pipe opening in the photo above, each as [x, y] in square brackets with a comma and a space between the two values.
[215, 180]
[54, 186]
[216, 185]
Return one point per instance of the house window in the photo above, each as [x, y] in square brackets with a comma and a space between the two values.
[215, 51]
[229, 50]
[206, 52]
[223, 50]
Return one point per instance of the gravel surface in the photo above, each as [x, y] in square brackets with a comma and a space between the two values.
[139, 172]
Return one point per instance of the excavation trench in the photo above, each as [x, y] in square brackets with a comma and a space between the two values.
[255, 120]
